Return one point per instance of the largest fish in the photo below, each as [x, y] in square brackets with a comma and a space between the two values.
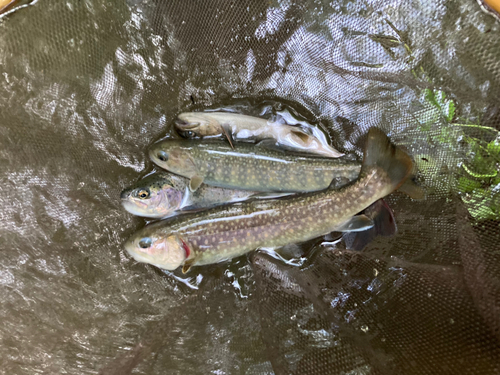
[249, 167]
[227, 232]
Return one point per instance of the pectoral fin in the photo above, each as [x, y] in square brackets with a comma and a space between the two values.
[355, 224]
[226, 130]
[195, 183]
[187, 266]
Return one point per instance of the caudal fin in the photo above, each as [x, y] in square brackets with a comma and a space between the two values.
[381, 154]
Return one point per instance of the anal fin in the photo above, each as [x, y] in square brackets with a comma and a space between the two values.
[355, 224]
[384, 225]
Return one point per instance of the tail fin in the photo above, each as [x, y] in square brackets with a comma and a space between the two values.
[380, 153]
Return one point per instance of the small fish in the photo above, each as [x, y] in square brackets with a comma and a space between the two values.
[242, 127]
[230, 231]
[249, 167]
[162, 194]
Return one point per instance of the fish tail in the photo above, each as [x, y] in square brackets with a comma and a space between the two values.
[381, 154]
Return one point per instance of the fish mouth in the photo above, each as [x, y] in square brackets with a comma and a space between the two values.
[131, 250]
[133, 208]
[129, 247]
[137, 210]
[153, 152]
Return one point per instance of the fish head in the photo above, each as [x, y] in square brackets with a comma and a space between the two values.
[152, 247]
[197, 124]
[154, 196]
[171, 156]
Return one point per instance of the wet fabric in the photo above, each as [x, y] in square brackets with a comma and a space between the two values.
[86, 87]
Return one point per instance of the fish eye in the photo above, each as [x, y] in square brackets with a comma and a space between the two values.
[187, 134]
[143, 194]
[162, 155]
[145, 243]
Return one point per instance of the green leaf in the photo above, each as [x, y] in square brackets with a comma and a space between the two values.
[483, 204]
[431, 98]
[450, 110]
[386, 41]
[440, 98]
[493, 147]
[467, 185]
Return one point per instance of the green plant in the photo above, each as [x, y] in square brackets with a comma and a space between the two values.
[472, 148]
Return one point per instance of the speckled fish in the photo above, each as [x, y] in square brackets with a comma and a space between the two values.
[249, 167]
[163, 194]
[242, 127]
[226, 232]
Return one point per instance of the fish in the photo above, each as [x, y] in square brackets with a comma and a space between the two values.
[242, 127]
[384, 224]
[6, 4]
[249, 167]
[164, 194]
[226, 232]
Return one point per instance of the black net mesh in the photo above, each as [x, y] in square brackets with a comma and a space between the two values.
[86, 86]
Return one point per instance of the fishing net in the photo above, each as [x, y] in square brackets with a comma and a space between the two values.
[86, 86]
